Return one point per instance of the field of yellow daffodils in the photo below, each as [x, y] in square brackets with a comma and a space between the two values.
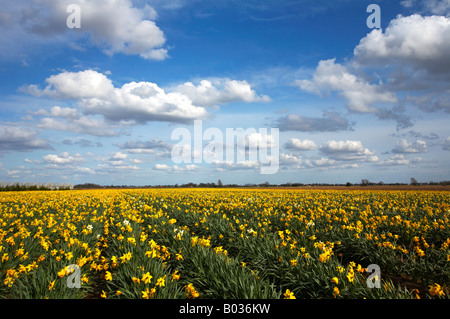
[224, 243]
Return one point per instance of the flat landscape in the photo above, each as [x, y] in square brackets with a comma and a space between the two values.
[225, 244]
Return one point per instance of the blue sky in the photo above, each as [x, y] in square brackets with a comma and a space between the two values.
[99, 103]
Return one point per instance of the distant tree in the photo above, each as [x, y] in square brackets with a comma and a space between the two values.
[365, 182]
[414, 181]
[348, 184]
[219, 183]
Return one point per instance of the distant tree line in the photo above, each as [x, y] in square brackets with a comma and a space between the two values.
[219, 184]
[64, 186]
[14, 187]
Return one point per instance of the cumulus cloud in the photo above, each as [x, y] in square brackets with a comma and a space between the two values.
[301, 145]
[410, 56]
[156, 147]
[403, 146]
[222, 166]
[64, 158]
[114, 26]
[176, 168]
[118, 156]
[398, 159]
[82, 125]
[290, 161]
[220, 91]
[15, 138]
[161, 167]
[422, 42]
[74, 85]
[439, 7]
[360, 95]
[324, 163]
[140, 102]
[329, 122]
[348, 151]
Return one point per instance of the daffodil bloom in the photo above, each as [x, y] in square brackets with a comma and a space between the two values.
[335, 280]
[161, 282]
[151, 253]
[51, 284]
[335, 292]
[146, 278]
[62, 273]
[288, 294]
[175, 276]
[436, 290]
[5, 257]
[136, 280]
[350, 276]
[103, 295]
[108, 276]
[191, 292]
[146, 294]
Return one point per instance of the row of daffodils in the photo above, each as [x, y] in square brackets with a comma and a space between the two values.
[224, 243]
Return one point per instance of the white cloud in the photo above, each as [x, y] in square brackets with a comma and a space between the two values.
[118, 156]
[176, 168]
[419, 42]
[219, 91]
[302, 145]
[15, 138]
[222, 166]
[360, 95]
[262, 141]
[162, 167]
[411, 56]
[348, 151]
[136, 161]
[64, 112]
[403, 146]
[83, 125]
[439, 7]
[290, 161]
[74, 85]
[114, 26]
[64, 158]
[139, 102]
[159, 148]
[398, 159]
[324, 163]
